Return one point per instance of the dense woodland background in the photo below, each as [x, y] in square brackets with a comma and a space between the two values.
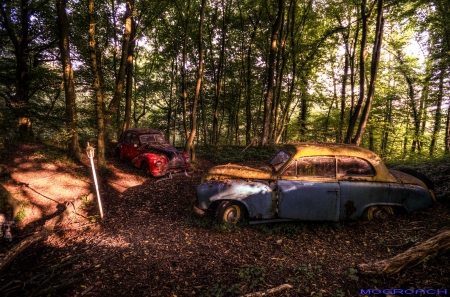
[228, 72]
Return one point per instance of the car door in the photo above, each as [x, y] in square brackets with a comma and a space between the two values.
[133, 147]
[358, 191]
[126, 145]
[308, 190]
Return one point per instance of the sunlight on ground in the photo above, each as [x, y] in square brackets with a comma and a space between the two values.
[40, 187]
[124, 181]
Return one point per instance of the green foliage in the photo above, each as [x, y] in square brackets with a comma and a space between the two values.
[219, 290]
[234, 154]
[252, 276]
[21, 214]
[353, 274]
[308, 271]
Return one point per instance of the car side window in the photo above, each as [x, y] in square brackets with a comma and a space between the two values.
[147, 138]
[321, 166]
[134, 139]
[354, 166]
[127, 137]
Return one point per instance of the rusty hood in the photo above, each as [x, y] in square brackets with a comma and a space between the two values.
[232, 171]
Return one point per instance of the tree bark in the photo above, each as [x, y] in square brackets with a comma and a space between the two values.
[115, 101]
[438, 114]
[73, 147]
[373, 73]
[218, 81]
[97, 86]
[129, 85]
[189, 148]
[248, 80]
[365, 17]
[271, 73]
[267, 292]
[183, 69]
[46, 231]
[419, 253]
[19, 103]
[447, 132]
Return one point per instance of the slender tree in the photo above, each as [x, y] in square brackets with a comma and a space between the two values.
[271, 73]
[73, 147]
[190, 140]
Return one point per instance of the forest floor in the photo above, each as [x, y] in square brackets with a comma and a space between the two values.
[150, 243]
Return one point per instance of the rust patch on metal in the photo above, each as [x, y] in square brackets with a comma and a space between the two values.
[349, 209]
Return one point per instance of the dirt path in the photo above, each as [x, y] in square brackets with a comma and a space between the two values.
[150, 244]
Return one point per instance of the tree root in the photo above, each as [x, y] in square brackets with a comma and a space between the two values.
[40, 236]
[269, 291]
[417, 254]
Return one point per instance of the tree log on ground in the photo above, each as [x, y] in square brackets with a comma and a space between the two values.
[269, 291]
[417, 254]
[47, 230]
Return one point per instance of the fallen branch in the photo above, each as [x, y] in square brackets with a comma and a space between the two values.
[417, 254]
[269, 291]
[254, 141]
[41, 236]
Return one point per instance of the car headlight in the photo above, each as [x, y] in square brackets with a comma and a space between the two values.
[158, 163]
[188, 160]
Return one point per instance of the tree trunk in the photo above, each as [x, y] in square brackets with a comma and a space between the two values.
[20, 101]
[129, 86]
[290, 96]
[218, 82]
[430, 248]
[271, 73]
[115, 101]
[183, 69]
[189, 148]
[73, 147]
[248, 85]
[344, 86]
[362, 72]
[169, 107]
[438, 115]
[373, 72]
[97, 86]
[46, 231]
[447, 132]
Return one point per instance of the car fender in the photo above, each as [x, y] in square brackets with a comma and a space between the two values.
[256, 196]
[359, 212]
[419, 198]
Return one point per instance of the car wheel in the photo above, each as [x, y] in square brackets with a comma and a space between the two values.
[378, 213]
[144, 169]
[229, 212]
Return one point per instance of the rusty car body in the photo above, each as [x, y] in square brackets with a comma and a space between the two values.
[312, 181]
[148, 150]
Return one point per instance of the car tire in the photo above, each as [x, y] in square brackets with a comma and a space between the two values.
[378, 212]
[230, 212]
[145, 169]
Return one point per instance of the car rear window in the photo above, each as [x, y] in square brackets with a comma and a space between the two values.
[354, 166]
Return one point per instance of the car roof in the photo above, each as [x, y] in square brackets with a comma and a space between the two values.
[141, 131]
[310, 149]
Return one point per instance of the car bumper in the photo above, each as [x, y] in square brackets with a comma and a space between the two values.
[197, 211]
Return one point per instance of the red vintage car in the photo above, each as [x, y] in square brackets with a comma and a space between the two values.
[148, 150]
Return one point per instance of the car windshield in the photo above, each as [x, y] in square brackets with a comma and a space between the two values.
[152, 138]
[278, 161]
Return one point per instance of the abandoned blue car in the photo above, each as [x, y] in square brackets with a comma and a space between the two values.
[313, 182]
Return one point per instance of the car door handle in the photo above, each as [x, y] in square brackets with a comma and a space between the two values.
[336, 191]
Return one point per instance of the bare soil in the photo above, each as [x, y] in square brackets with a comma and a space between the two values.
[150, 243]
